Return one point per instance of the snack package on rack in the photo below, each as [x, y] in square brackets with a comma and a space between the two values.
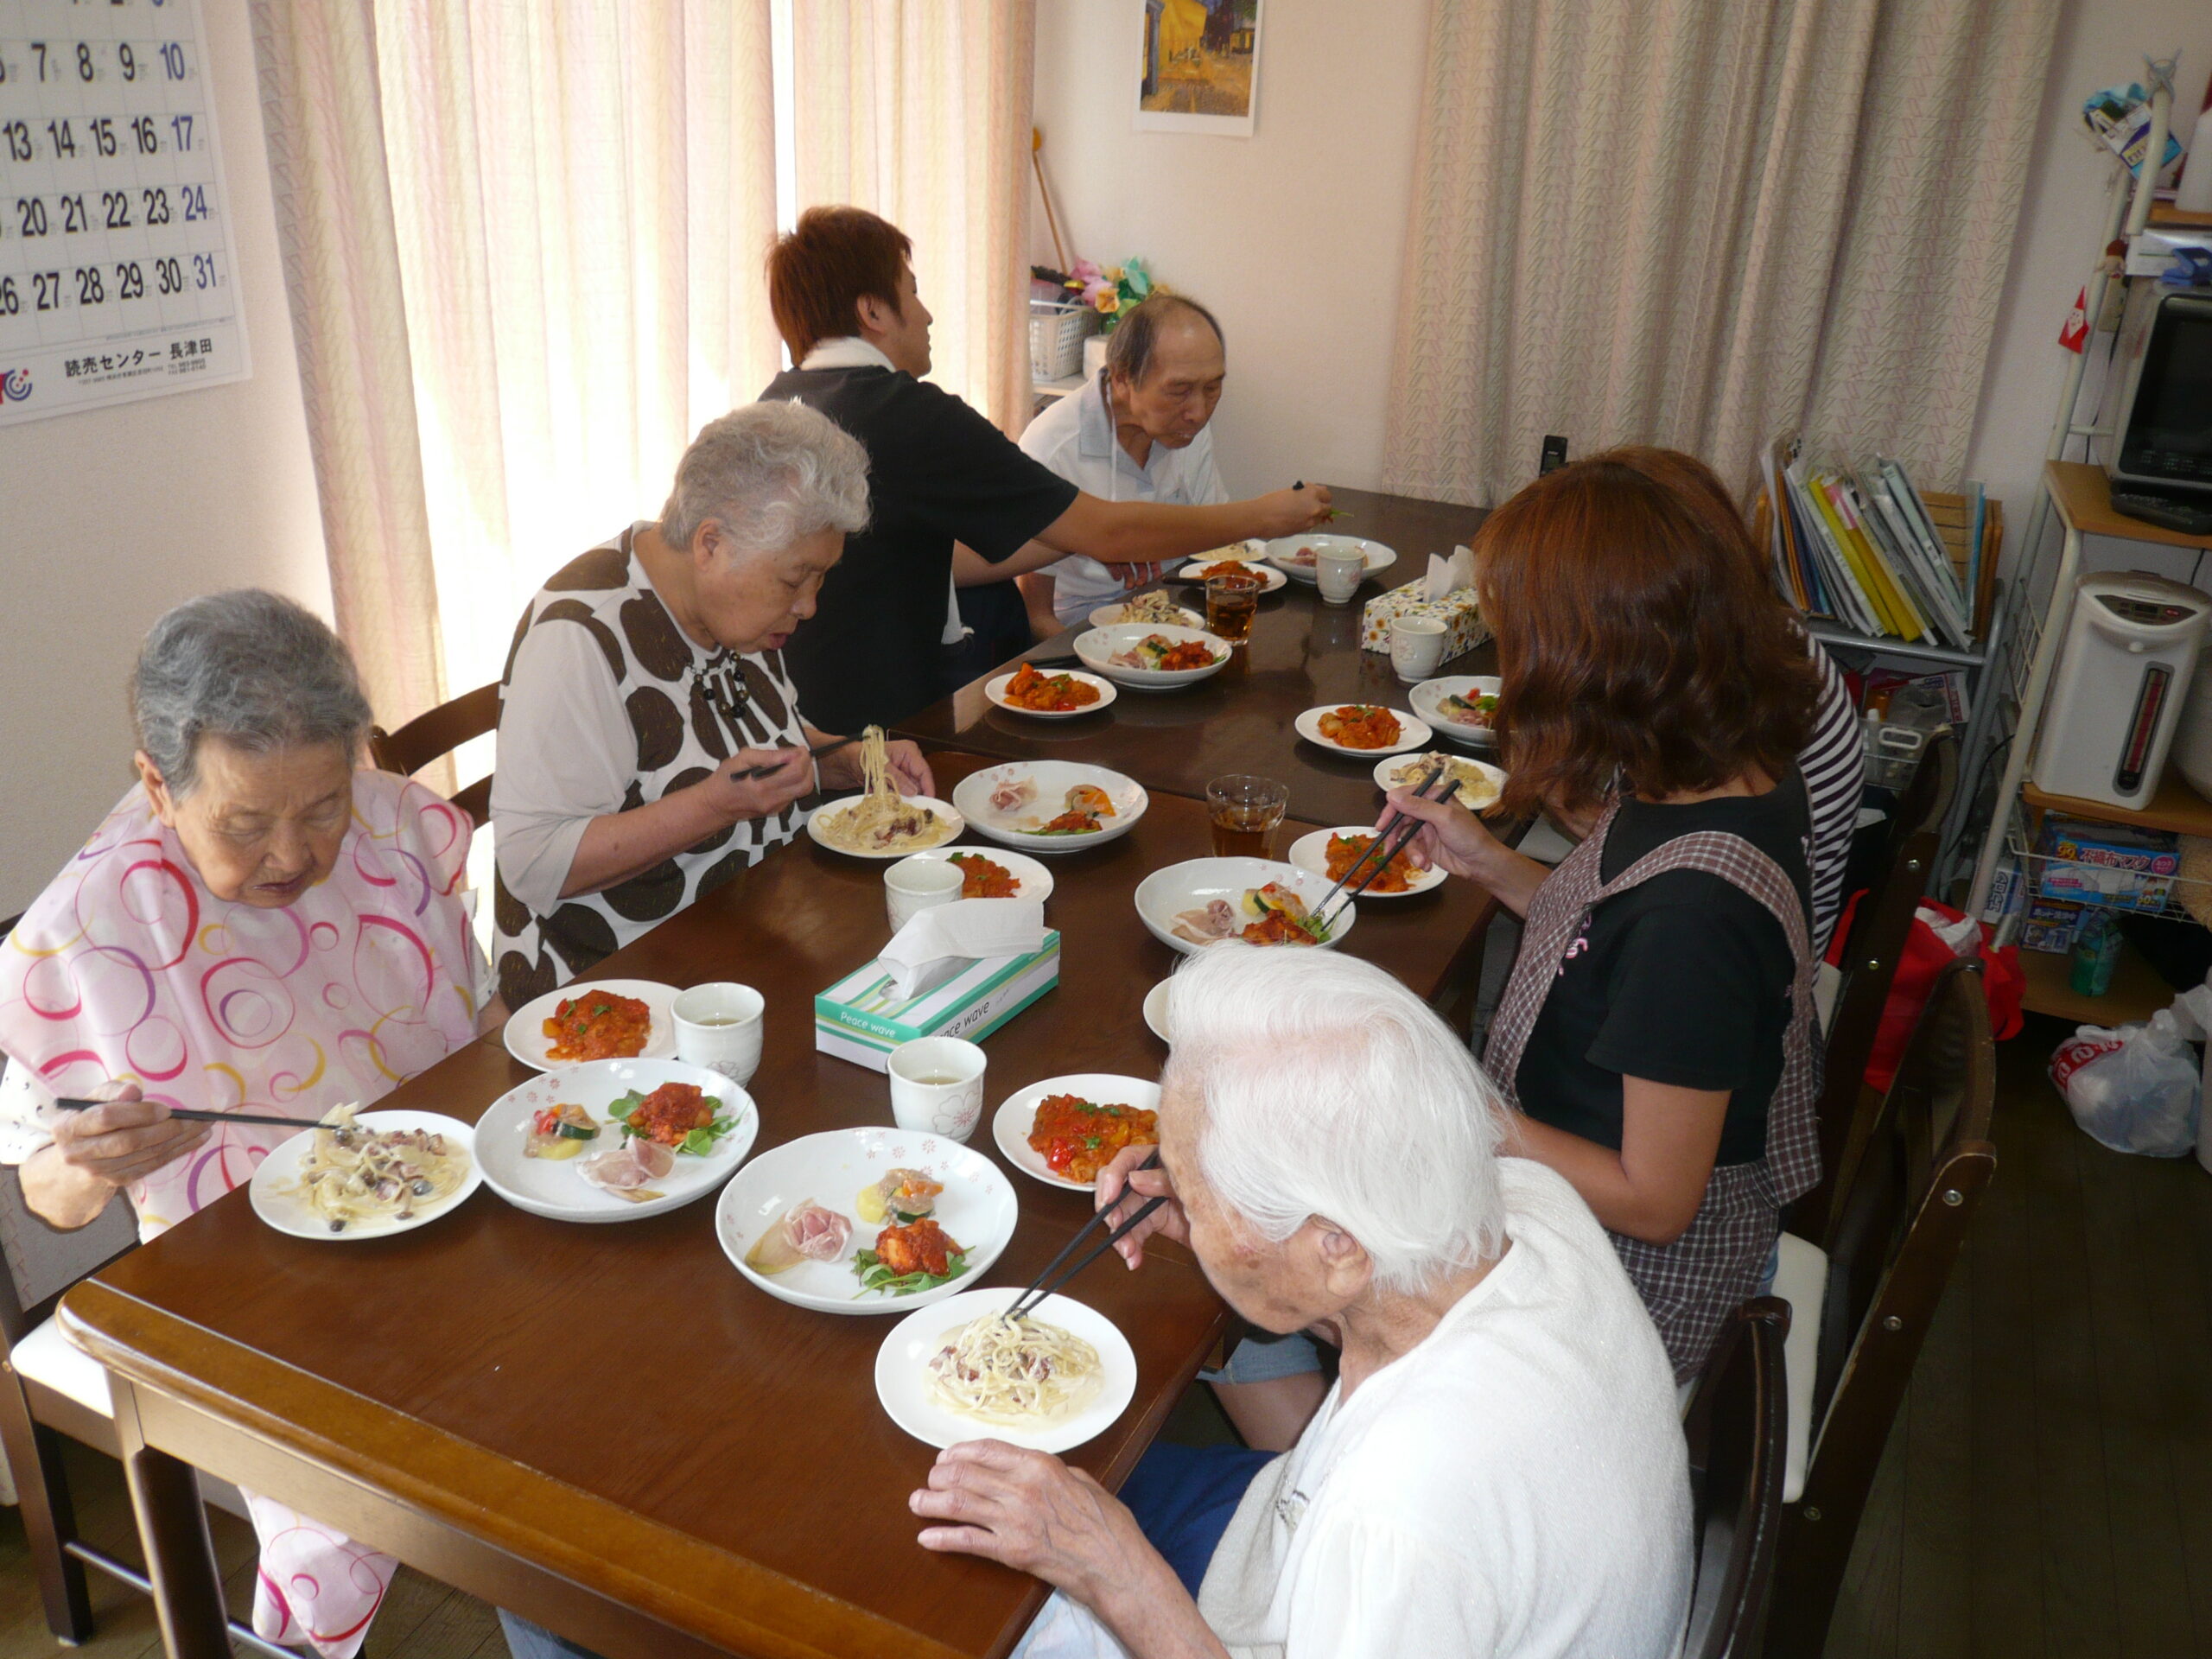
[2139, 1088]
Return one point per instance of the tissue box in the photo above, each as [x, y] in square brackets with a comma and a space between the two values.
[859, 1017]
[1464, 627]
[2111, 864]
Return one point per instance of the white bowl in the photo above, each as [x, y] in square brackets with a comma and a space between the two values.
[995, 689]
[1052, 778]
[1109, 616]
[902, 1372]
[555, 1188]
[977, 1207]
[1032, 879]
[1166, 892]
[948, 816]
[1095, 645]
[1461, 763]
[289, 1213]
[1271, 580]
[1310, 853]
[1281, 553]
[1413, 734]
[1017, 1114]
[1155, 1011]
[526, 1036]
[1428, 694]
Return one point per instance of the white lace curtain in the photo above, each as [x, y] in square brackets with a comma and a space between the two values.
[1699, 223]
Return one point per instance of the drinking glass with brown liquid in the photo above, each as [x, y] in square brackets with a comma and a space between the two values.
[1231, 604]
[1245, 812]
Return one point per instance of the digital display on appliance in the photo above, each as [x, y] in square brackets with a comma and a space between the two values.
[2169, 426]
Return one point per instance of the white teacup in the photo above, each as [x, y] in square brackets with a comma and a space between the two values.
[1338, 573]
[718, 1026]
[1416, 647]
[937, 1087]
[914, 885]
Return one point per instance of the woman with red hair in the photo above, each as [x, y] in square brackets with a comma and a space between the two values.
[1657, 1034]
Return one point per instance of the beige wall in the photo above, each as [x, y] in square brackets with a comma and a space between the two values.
[109, 516]
[2101, 43]
[1294, 236]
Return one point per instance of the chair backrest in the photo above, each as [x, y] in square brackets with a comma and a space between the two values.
[1738, 1427]
[440, 731]
[1869, 963]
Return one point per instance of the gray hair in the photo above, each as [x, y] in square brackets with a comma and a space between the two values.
[250, 667]
[1328, 1089]
[1129, 347]
[768, 473]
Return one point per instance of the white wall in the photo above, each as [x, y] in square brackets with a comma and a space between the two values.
[1295, 236]
[2101, 43]
[109, 516]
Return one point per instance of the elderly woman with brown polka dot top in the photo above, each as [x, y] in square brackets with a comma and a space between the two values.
[647, 677]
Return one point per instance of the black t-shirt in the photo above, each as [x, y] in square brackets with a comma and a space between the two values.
[939, 472]
[1683, 979]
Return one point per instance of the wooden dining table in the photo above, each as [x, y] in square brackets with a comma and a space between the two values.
[608, 1430]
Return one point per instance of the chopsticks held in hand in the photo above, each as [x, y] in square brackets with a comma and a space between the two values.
[194, 1115]
[812, 754]
[1385, 845]
[1045, 1284]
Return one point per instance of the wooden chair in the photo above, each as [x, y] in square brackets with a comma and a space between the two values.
[1870, 958]
[1737, 1427]
[1899, 1221]
[439, 732]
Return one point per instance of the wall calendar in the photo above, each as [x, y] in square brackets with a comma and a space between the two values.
[117, 270]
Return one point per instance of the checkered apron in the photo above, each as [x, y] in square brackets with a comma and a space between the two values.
[1693, 1284]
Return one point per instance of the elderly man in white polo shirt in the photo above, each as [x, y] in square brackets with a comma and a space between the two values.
[1136, 434]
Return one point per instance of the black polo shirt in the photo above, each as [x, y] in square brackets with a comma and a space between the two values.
[939, 472]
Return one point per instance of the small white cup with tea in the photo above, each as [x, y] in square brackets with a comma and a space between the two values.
[718, 1026]
[1338, 573]
[914, 885]
[936, 1086]
[1416, 647]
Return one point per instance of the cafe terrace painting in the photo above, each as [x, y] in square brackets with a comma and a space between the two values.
[1200, 67]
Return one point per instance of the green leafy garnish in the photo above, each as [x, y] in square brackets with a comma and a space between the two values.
[698, 1142]
[869, 1269]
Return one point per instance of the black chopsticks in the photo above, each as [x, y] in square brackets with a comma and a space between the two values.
[194, 1115]
[1044, 1284]
[812, 754]
[1383, 843]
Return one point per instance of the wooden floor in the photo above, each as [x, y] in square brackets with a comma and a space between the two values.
[2047, 1493]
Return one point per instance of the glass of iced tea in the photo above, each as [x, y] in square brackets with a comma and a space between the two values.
[1245, 812]
[1230, 602]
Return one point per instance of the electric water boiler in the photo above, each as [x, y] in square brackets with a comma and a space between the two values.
[2123, 672]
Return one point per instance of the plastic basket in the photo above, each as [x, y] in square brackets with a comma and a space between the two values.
[1056, 337]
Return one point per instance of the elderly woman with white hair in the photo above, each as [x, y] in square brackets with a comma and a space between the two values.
[1500, 1468]
[647, 682]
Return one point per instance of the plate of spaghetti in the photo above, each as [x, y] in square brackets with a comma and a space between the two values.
[366, 1175]
[601, 1019]
[1331, 853]
[879, 822]
[961, 1371]
[1064, 1130]
[1050, 696]
[1362, 728]
[996, 873]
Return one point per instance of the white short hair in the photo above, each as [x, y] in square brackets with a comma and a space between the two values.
[1328, 1089]
[769, 474]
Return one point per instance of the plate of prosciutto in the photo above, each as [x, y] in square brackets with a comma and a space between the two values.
[614, 1140]
[1050, 806]
[870, 1220]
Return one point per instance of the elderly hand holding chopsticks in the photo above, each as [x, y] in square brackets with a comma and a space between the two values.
[1123, 1185]
[1455, 840]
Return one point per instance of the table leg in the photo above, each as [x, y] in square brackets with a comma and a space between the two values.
[173, 1531]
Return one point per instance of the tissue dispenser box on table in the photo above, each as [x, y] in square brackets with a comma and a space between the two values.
[862, 1020]
[1464, 627]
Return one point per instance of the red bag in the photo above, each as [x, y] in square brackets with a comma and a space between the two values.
[1925, 955]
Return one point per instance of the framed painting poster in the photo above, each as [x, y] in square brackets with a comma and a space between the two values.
[1198, 66]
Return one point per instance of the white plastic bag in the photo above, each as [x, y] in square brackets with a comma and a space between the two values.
[2138, 1088]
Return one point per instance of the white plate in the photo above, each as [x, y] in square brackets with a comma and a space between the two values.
[554, 1188]
[1053, 779]
[994, 689]
[1280, 550]
[1413, 734]
[1385, 768]
[902, 1372]
[1271, 580]
[525, 1030]
[1429, 693]
[287, 1213]
[977, 1207]
[948, 813]
[1011, 1124]
[1164, 894]
[1095, 645]
[1312, 853]
[1155, 1011]
[1032, 879]
[1107, 616]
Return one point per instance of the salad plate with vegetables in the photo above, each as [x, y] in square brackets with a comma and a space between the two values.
[1460, 707]
[614, 1140]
